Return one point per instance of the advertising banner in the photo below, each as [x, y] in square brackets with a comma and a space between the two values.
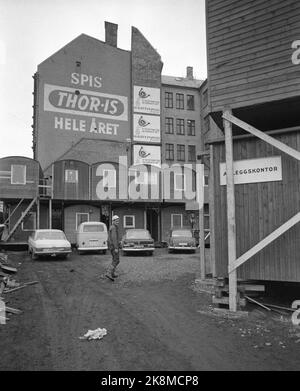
[146, 100]
[147, 154]
[146, 128]
[266, 169]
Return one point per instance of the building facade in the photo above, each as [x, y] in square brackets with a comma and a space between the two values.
[182, 142]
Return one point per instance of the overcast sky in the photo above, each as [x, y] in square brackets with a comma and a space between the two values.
[33, 30]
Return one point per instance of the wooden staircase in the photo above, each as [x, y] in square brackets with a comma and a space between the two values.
[24, 214]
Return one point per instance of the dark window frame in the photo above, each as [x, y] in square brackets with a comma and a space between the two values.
[168, 100]
[169, 125]
[179, 101]
[191, 155]
[190, 102]
[169, 151]
[191, 127]
[181, 152]
[180, 126]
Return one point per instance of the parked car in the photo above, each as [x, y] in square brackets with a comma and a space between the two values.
[182, 239]
[137, 240]
[48, 242]
[91, 236]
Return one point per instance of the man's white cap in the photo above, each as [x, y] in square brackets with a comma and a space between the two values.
[115, 217]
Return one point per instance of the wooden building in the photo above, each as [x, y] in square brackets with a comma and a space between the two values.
[254, 92]
[21, 191]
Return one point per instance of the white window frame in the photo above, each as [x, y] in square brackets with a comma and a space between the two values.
[108, 179]
[12, 176]
[172, 219]
[133, 221]
[66, 176]
[183, 181]
[34, 222]
[81, 213]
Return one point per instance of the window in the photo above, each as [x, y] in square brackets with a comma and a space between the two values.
[176, 220]
[179, 101]
[71, 176]
[169, 151]
[179, 182]
[109, 178]
[190, 102]
[169, 125]
[29, 222]
[18, 174]
[180, 126]
[181, 152]
[191, 153]
[191, 127]
[169, 100]
[206, 124]
[81, 218]
[129, 221]
[206, 178]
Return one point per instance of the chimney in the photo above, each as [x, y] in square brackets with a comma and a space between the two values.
[189, 73]
[111, 34]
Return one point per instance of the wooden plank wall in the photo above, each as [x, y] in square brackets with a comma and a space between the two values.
[71, 191]
[260, 209]
[33, 176]
[249, 51]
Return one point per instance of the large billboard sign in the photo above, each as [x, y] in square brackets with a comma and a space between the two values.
[146, 128]
[147, 154]
[84, 91]
[87, 103]
[146, 100]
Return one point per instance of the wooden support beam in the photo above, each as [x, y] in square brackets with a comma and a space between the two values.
[263, 136]
[211, 190]
[200, 200]
[263, 243]
[231, 227]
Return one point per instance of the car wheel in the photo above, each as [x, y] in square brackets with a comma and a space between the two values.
[65, 256]
[170, 251]
[124, 253]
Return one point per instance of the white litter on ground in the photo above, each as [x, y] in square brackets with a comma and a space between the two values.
[94, 334]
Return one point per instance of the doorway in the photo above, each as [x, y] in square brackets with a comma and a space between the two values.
[152, 218]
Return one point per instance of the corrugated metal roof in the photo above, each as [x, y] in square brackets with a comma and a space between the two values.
[181, 81]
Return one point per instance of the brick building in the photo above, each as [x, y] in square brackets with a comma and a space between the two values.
[182, 139]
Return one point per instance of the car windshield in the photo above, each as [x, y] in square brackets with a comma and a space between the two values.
[180, 233]
[138, 235]
[93, 228]
[50, 235]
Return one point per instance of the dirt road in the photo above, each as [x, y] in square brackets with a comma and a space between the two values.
[151, 314]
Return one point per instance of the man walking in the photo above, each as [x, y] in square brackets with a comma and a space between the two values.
[113, 240]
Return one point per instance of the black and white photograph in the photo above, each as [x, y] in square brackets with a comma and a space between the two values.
[149, 189]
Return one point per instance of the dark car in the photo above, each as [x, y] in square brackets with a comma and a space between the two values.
[182, 239]
[137, 240]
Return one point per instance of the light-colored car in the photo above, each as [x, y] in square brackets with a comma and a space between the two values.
[137, 240]
[181, 239]
[48, 242]
[91, 236]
